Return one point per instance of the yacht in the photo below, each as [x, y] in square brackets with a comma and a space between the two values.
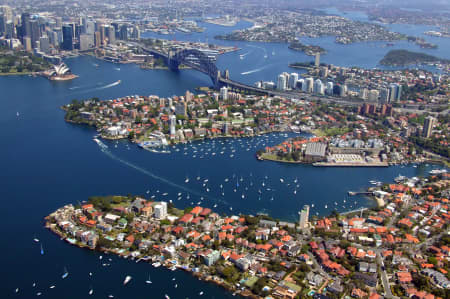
[127, 279]
[65, 274]
[149, 281]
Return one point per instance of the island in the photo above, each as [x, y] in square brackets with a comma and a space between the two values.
[405, 57]
[310, 50]
[397, 247]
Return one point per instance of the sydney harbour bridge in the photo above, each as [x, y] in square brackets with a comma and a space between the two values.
[199, 61]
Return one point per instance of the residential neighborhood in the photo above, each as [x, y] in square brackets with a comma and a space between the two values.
[398, 249]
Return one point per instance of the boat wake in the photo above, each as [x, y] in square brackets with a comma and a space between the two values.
[109, 85]
[255, 70]
[104, 149]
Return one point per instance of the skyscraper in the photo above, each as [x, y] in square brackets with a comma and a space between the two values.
[35, 32]
[123, 32]
[304, 217]
[309, 85]
[172, 124]
[25, 28]
[44, 44]
[318, 86]
[281, 82]
[67, 31]
[293, 78]
[329, 89]
[224, 93]
[428, 126]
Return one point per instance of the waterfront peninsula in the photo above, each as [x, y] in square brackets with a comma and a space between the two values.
[405, 57]
[397, 249]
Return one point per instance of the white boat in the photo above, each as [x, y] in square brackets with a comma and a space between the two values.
[127, 279]
[91, 291]
[166, 296]
[201, 293]
[38, 294]
[176, 286]
[281, 180]
[36, 240]
[186, 180]
[52, 287]
[17, 290]
[65, 274]
[17, 113]
[110, 296]
[149, 281]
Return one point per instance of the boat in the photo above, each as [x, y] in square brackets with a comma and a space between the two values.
[91, 291]
[42, 250]
[201, 293]
[38, 294]
[52, 287]
[166, 296]
[149, 281]
[438, 171]
[65, 274]
[17, 113]
[127, 279]
[110, 296]
[281, 180]
[186, 180]
[36, 240]
[17, 290]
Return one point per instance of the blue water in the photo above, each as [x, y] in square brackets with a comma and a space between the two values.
[255, 67]
[48, 163]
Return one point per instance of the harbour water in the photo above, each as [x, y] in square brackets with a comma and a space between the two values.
[48, 163]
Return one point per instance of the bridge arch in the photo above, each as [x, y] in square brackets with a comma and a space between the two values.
[202, 62]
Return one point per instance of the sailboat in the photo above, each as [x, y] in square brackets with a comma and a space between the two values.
[186, 180]
[149, 281]
[65, 274]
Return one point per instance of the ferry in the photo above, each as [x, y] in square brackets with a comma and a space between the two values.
[127, 279]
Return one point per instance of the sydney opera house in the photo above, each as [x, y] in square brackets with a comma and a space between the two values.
[60, 73]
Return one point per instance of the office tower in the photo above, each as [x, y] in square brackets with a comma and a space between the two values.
[172, 124]
[317, 60]
[78, 31]
[7, 12]
[329, 89]
[136, 33]
[309, 85]
[9, 30]
[27, 43]
[116, 28]
[25, 28]
[304, 217]
[364, 93]
[293, 78]
[58, 22]
[373, 95]
[97, 39]
[395, 92]
[318, 87]
[123, 32]
[44, 44]
[428, 126]
[343, 90]
[300, 83]
[86, 42]
[224, 93]
[110, 33]
[67, 32]
[2, 24]
[53, 38]
[35, 32]
[385, 96]
[89, 27]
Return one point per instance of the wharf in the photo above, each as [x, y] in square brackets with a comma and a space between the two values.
[330, 164]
